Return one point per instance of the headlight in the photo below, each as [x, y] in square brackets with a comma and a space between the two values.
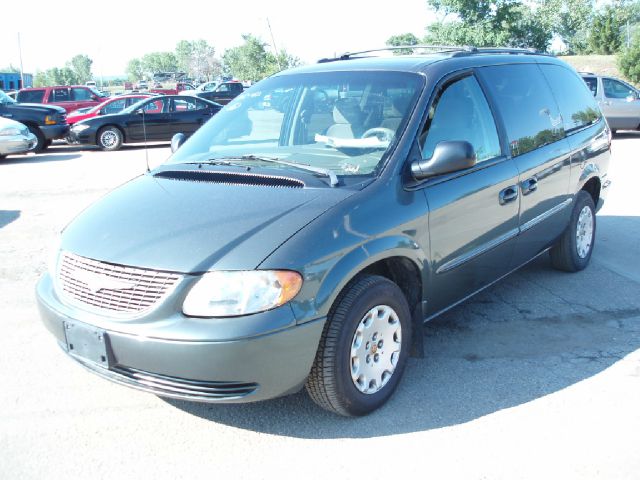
[50, 120]
[80, 127]
[10, 132]
[233, 293]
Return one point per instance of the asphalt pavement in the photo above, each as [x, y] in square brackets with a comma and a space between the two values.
[537, 377]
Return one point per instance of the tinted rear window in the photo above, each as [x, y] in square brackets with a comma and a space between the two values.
[577, 105]
[31, 96]
[529, 111]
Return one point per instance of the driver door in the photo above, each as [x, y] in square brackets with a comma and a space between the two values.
[473, 214]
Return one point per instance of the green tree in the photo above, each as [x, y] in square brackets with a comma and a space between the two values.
[81, 67]
[629, 61]
[570, 20]
[159, 62]
[135, 70]
[252, 61]
[61, 76]
[184, 54]
[403, 39]
[10, 69]
[506, 23]
[605, 35]
[40, 79]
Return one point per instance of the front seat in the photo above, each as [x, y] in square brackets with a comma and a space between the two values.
[347, 118]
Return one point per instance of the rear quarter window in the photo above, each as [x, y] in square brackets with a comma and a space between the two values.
[525, 102]
[577, 105]
[31, 96]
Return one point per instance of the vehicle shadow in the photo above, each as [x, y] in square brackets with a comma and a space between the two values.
[8, 216]
[40, 158]
[535, 333]
[627, 135]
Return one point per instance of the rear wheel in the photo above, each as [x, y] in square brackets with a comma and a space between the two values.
[573, 251]
[110, 138]
[364, 348]
[41, 142]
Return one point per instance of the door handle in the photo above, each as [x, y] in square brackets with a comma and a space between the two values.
[529, 185]
[509, 194]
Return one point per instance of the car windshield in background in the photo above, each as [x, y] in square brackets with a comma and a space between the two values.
[342, 121]
[4, 98]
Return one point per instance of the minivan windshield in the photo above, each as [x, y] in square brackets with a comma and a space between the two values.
[341, 121]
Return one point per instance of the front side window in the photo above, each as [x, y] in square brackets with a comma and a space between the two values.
[461, 112]
[80, 94]
[529, 110]
[615, 89]
[183, 105]
[342, 121]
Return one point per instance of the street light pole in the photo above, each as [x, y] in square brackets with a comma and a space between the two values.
[21, 68]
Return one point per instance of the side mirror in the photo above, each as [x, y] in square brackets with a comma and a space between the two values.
[139, 111]
[448, 156]
[176, 141]
[632, 97]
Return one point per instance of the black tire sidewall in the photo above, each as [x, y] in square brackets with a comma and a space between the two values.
[115, 146]
[384, 292]
[41, 143]
[583, 199]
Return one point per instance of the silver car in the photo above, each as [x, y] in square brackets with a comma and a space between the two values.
[619, 101]
[15, 138]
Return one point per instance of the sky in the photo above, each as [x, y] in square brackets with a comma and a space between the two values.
[111, 33]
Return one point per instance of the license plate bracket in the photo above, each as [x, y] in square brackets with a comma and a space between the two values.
[87, 343]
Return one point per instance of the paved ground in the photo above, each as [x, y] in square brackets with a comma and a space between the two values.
[538, 377]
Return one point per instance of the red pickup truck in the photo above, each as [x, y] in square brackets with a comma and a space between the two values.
[68, 97]
[180, 87]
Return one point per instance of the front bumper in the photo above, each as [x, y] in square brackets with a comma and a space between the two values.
[255, 367]
[82, 137]
[17, 143]
[54, 132]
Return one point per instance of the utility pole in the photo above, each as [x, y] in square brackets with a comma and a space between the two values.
[274, 43]
[21, 69]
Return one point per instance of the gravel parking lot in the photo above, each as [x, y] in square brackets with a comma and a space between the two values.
[537, 377]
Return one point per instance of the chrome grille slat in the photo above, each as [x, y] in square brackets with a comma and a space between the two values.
[141, 290]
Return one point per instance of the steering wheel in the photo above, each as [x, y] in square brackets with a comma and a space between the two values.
[383, 134]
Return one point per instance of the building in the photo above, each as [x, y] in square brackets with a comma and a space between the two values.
[12, 81]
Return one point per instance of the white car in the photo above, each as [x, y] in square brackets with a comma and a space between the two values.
[204, 87]
[15, 138]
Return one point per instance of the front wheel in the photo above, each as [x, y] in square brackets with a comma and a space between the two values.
[110, 139]
[363, 349]
[41, 142]
[573, 251]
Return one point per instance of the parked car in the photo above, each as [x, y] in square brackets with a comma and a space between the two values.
[276, 250]
[618, 100]
[180, 87]
[141, 85]
[46, 122]
[70, 98]
[15, 138]
[108, 107]
[203, 87]
[155, 119]
[223, 93]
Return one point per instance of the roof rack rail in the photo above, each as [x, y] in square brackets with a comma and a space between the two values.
[434, 48]
[456, 50]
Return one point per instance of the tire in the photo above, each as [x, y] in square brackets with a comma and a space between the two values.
[41, 142]
[347, 343]
[109, 139]
[48, 143]
[573, 250]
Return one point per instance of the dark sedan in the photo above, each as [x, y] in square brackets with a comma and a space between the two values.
[153, 119]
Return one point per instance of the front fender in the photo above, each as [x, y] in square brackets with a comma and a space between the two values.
[330, 276]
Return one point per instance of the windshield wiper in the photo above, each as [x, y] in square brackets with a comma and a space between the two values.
[330, 174]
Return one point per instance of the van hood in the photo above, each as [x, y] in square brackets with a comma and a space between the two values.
[182, 225]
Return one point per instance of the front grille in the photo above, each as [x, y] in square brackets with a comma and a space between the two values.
[183, 388]
[112, 289]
